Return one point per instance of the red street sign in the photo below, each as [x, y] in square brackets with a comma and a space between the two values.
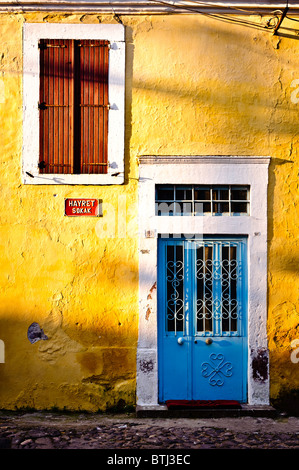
[83, 207]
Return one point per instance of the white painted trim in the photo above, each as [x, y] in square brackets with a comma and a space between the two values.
[195, 159]
[251, 171]
[32, 32]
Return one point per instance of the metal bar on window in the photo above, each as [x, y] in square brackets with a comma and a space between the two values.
[92, 163]
[95, 105]
[46, 105]
[94, 45]
[58, 164]
[43, 45]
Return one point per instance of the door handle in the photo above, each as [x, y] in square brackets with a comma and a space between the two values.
[181, 340]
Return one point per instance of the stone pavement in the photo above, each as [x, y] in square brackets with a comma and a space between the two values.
[45, 430]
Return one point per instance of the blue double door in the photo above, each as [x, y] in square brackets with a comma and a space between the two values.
[202, 319]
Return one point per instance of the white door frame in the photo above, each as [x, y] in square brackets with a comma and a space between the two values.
[209, 170]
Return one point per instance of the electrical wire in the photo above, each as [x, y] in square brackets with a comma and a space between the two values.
[230, 19]
[227, 7]
[292, 19]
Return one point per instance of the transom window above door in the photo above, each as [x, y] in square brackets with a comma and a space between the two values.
[202, 200]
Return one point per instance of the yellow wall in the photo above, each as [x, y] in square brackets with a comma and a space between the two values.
[194, 85]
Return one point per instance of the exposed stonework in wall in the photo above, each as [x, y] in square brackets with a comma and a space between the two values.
[35, 333]
[194, 86]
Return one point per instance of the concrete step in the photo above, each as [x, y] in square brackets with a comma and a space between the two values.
[161, 411]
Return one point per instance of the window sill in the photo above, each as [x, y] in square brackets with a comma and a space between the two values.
[109, 179]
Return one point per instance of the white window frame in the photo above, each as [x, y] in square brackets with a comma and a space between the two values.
[115, 34]
[211, 170]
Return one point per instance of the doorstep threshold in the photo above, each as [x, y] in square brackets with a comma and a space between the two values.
[161, 411]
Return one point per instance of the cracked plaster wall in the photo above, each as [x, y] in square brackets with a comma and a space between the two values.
[196, 86]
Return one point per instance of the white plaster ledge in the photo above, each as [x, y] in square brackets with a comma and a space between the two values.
[206, 159]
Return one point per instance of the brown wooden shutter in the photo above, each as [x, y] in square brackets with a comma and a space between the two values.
[56, 106]
[94, 106]
[74, 106]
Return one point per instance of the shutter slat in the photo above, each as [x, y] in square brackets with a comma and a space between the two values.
[90, 51]
[96, 112]
[56, 79]
[69, 97]
[50, 130]
[60, 80]
[93, 110]
[106, 101]
[102, 101]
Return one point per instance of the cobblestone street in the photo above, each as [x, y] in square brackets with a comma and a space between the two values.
[39, 430]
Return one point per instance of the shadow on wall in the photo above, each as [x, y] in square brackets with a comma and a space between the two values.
[287, 401]
[77, 352]
[52, 371]
[224, 93]
[275, 163]
[283, 325]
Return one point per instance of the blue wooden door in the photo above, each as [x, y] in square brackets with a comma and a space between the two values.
[202, 319]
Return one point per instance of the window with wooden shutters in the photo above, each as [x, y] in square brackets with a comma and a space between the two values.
[73, 103]
[73, 106]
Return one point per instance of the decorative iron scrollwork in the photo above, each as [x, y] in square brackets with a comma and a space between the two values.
[216, 370]
[217, 287]
[175, 276]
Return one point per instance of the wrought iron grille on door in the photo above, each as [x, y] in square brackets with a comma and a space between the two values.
[216, 286]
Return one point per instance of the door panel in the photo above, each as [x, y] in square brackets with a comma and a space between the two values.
[202, 319]
[174, 357]
[218, 369]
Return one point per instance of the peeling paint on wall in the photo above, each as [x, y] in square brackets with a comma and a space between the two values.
[150, 297]
[148, 312]
[35, 333]
[260, 365]
[146, 366]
